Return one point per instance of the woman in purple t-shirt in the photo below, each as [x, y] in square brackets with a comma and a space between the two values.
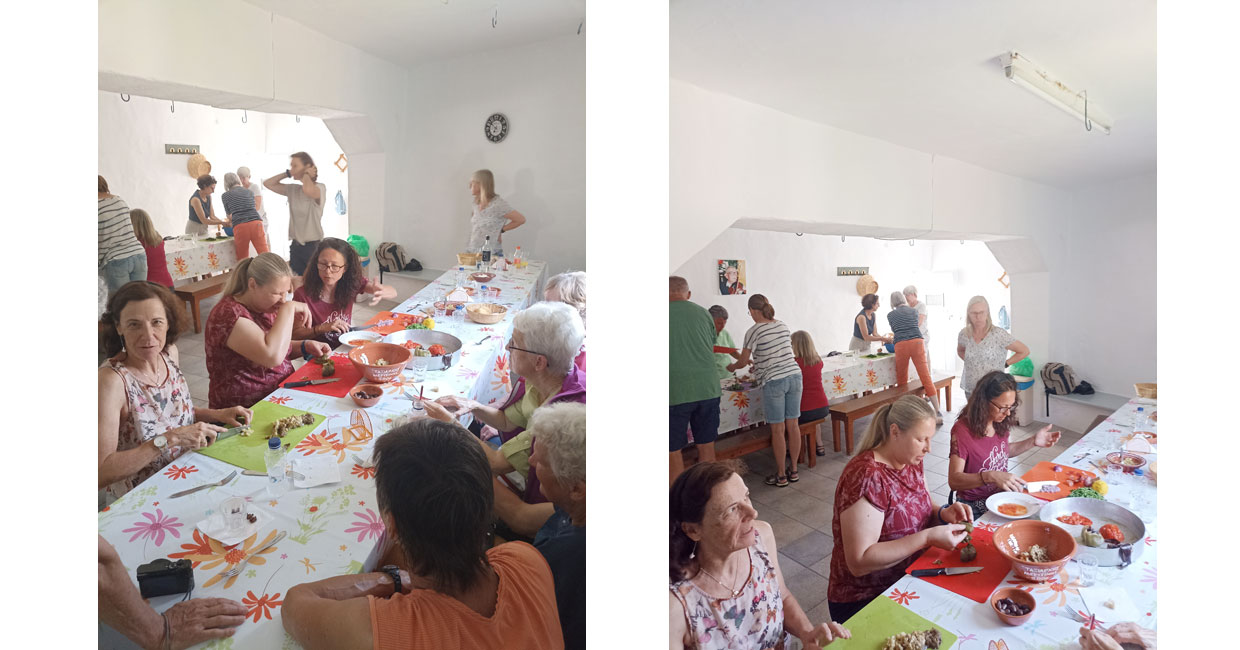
[332, 281]
[978, 463]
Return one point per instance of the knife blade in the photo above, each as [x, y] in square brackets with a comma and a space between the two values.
[358, 328]
[231, 432]
[947, 571]
[310, 382]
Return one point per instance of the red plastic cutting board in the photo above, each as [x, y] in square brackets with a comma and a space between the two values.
[974, 586]
[1043, 472]
[346, 372]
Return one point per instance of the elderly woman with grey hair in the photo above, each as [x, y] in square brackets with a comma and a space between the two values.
[570, 289]
[247, 224]
[723, 340]
[910, 346]
[923, 316]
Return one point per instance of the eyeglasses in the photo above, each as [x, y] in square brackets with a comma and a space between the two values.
[510, 347]
[330, 267]
[1004, 409]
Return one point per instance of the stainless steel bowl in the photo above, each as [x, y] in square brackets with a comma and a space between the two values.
[427, 338]
[1100, 512]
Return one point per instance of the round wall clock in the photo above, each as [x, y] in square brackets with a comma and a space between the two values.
[496, 127]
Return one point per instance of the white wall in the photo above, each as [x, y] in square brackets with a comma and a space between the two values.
[132, 136]
[733, 160]
[539, 168]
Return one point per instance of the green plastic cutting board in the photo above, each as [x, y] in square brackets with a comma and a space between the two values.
[881, 619]
[246, 452]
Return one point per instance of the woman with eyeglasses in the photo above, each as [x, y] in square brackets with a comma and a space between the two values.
[545, 340]
[983, 346]
[333, 280]
[978, 462]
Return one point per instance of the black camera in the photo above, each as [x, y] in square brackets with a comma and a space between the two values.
[162, 577]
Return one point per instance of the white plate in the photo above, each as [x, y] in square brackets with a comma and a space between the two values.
[361, 336]
[999, 498]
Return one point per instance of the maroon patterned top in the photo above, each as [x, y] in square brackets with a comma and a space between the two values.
[905, 503]
[985, 454]
[235, 380]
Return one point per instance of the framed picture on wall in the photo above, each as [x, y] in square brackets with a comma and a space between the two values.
[731, 277]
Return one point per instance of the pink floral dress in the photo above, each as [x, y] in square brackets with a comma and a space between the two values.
[152, 410]
[753, 620]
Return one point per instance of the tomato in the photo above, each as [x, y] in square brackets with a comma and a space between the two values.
[1111, 531]
[1076, 519]
[410, 345]
[437, 350]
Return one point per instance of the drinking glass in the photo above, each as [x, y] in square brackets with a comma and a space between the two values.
[458, 319]
[233, 510]
[419, 368]
[1089, 569]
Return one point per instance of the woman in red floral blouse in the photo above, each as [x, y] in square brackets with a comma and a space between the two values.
[883, 512]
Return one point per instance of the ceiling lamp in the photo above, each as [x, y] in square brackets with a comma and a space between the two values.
[1028, 75]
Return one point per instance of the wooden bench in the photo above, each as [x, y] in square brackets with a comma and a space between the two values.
[196, 292]
[758, 438]
[846, 413]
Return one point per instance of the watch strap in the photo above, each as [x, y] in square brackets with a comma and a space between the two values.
[394, 571]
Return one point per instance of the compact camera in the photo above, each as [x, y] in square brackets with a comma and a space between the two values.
[163, 577]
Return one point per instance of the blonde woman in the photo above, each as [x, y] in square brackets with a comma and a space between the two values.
[153, 243]
[249, 334]
[984, 347]
[882, 495]
[492, 214]
[813, 396]
[570, 289]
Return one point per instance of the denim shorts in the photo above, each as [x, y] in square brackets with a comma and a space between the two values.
[782, 396]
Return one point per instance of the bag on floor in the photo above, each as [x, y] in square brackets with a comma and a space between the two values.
[1059, 379]
[392, 257]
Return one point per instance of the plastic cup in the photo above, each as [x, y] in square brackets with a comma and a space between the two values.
[233, 510]
[1089, 569]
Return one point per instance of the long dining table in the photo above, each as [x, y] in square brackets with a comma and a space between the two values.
[1059, 612]
[331, 529]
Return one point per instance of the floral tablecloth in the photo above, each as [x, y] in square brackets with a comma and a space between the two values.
[842, 375]
[192, 257]
[332, 529]
[1052, 626]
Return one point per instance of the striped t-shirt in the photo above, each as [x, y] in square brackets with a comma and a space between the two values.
[239, 206]
[903, 321]
[771, 345]
[116, 238]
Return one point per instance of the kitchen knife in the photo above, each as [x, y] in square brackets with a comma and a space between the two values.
[358, 328]
[310, 382]
[231, 432]
[948, 571]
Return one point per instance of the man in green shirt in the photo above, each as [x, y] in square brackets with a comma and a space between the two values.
[693, 378]
[723, 340]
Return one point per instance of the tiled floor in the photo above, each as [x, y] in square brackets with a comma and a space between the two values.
[194, 360]
[801, 513]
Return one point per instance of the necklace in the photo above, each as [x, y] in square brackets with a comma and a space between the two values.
[735, 592]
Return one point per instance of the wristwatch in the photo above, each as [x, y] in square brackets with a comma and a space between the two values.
[288, 173]
[394, 571]
[160, 441]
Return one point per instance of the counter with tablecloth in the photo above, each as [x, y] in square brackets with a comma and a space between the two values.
[191, 257]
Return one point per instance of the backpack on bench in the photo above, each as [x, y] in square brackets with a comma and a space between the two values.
[1060, 379]
[392, 258]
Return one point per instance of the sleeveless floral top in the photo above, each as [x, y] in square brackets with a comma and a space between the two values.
[754, 620]
[152, 410]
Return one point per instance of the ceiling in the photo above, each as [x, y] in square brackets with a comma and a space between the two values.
[926, 75]
[411, 32]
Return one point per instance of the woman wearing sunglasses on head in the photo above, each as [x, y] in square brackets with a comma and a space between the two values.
[980, 448]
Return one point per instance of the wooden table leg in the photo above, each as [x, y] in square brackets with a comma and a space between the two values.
[835, 433]
[949, 395]
[848, 435]
[197, 315]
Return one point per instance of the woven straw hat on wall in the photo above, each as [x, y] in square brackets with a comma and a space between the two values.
[866, 284]
[198, 166]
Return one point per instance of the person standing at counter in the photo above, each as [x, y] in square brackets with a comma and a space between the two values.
[200, 213]
[923, 317]
[257, 190]
[814, 405]
[121, 257]
[246, 223]
[864, 330]
[911, 347]
[492, 215]
[306, 198]
[692, 378]
[723, 340]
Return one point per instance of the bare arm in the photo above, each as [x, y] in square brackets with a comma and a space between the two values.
[494, 417]
[960, 352]
[865, 331]
[276, 186]
[310, 188]
[335, 613]
[1019, 350]
[515, 219]
[268, 349]
[116, 465]
[380, 291]
[523, 518]
[498, 461]
[862, 524]
[258, 203]
[958, 479]
[677, 626]
[741, 361]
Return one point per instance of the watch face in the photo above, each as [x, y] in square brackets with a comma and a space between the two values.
[496, 127]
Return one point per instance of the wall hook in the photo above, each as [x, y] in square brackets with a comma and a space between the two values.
[124, 98]
[298, 117]
[174, 106]
[579, 27]
[245, 117]
[495, 17]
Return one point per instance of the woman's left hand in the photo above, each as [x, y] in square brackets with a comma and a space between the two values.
[233, 416]
[317, 348]
[824, 633]
[1045, 437]
[957, 513]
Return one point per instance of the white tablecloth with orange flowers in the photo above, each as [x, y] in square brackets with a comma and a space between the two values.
[842, 375]
[1056, 618]
[190, 257]
[332, 529]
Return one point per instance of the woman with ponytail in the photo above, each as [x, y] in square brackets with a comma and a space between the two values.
[249, 334]
[724, 561]
[883, 513]
[768, 346]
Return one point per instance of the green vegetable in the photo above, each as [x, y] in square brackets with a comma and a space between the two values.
[329, 368]
[1086, 493]
[415, 326]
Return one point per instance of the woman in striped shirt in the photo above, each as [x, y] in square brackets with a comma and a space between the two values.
[768, 346]
[910, 346]
[121, 257]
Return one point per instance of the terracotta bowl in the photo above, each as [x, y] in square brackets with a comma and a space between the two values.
[1018, 595]
[1018, 536]
[1129, 461]
[482, 277]
[369, 389]
[365, 357]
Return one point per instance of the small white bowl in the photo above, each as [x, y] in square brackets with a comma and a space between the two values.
[997, 499]
[353, 339]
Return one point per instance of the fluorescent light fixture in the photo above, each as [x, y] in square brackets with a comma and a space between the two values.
[1028, 75]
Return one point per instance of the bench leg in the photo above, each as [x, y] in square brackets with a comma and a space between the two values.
[835, 434]
[949, 396]
[197, 315]
[807, 444]
[848, 435]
